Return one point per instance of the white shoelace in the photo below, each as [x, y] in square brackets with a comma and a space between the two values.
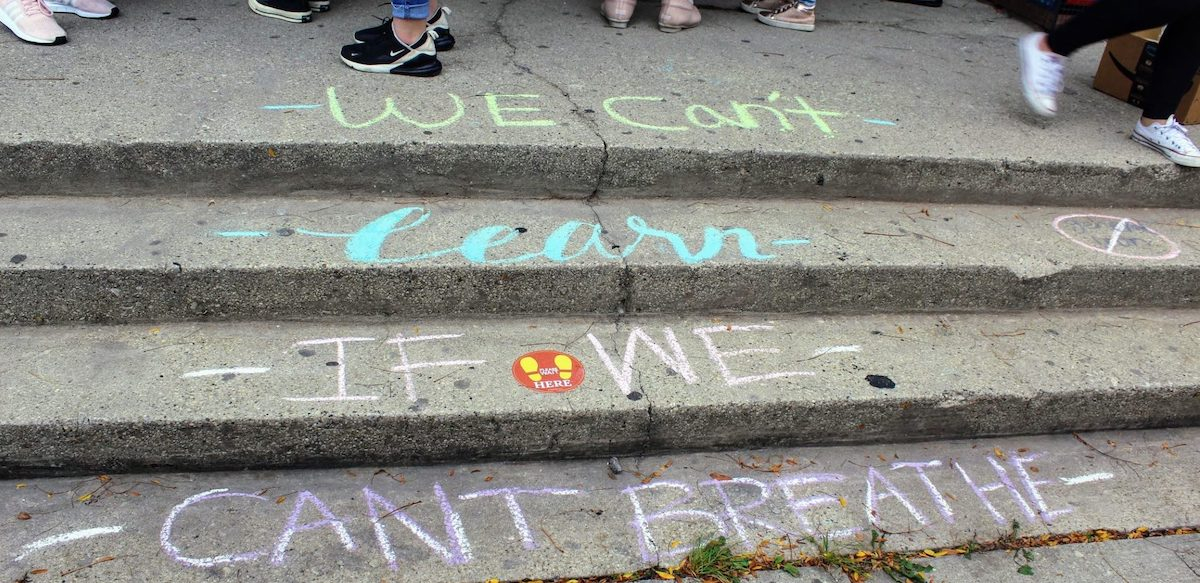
[1050, 79]
[33, 7]
[1175, 133]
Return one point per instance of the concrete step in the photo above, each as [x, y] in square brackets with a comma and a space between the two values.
[155, 260]
[474, 522]
[891, 101]
[278, 395]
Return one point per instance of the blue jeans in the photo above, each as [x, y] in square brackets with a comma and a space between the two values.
[809, 4]
[410, 9]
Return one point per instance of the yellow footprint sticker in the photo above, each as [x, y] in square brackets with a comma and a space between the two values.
[548, 371]
[565, 366]
[529, 364]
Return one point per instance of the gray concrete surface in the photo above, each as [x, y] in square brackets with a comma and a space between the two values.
[279, 395]
[576, 518]
[169, 99]
[154, 260]
[1163, 559]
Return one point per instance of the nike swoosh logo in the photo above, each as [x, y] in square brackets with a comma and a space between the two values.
[400, 52]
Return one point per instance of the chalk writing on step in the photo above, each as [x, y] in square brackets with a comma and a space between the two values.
[483, 246]
[1116, 236]
[774, 112]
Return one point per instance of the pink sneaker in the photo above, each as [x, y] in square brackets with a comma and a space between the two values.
[85, 8]
[31, 21]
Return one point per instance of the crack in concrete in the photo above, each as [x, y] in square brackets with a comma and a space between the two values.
[576, 108]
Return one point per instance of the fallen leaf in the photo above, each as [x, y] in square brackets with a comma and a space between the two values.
[271, 153]
[488, 479]
[22, 486]
[842, 501]
[999, 454]
[156, 330]
[23, 516]
[665, 575]
[1034, 469]
[1023, 450]
[281, 499]
[85, 497]
[39, 571]
[720, 477]
[675, 544]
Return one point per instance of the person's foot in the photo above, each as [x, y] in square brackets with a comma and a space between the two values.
[31, 21]
[676, 15]
[438, 26]
[84, 8]
[618, 12]
[389, 55]
[289, 10]
[795, 16]
[1041, 75]
[756, 6]
[1169, 139]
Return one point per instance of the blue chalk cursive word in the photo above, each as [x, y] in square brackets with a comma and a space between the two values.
[481, 245]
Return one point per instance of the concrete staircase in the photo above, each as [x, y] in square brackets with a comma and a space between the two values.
[194, 334]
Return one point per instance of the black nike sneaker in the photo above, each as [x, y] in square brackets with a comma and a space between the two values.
[389, 55]
[289, 10]
[437, 26]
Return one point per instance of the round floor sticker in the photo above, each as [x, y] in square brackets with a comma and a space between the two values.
[548, 371]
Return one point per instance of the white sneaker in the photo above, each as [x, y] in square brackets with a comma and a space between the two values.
[85, 8]
[31, 21]
[1041, 75]
[1170, 140]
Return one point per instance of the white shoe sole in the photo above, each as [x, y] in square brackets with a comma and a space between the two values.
[58, 40]
[1031, 97]
[780, 24]
[1180, 159]
[269, 12]
[65, 9]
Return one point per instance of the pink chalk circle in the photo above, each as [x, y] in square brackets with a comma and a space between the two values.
[1113, 235]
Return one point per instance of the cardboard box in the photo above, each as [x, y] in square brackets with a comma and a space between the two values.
[1126, 67]
[1048, 14]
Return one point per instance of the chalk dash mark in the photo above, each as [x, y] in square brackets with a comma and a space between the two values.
[879, 122]
[787, 242]
[59, 539]
[299, 106]
[235, 234]
[1088, 478]
[835, 349]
